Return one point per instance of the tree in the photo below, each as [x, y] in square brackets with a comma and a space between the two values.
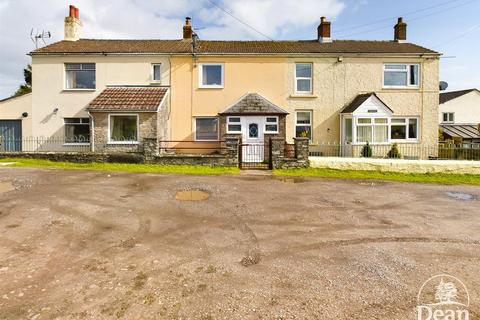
[27, 86]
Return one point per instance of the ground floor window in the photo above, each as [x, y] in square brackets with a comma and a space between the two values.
[271, 125]
[77, 130]
[380, 129]
[123, 128]
[206, 128]
[234, 125]
[303, 124]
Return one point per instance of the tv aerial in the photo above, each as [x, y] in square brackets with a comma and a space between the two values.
[39, 36]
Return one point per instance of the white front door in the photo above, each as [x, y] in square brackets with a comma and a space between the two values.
[252, 134]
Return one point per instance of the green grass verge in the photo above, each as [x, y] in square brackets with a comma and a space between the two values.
[441, 178]
[127, 167]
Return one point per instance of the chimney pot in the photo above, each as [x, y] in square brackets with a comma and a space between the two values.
[187, 29]
[72, 11]
[323, 30]
[77, 13]
[400, 34]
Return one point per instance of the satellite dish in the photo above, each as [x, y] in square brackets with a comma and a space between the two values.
[443, 86]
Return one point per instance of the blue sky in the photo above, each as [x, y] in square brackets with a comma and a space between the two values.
[449, 26]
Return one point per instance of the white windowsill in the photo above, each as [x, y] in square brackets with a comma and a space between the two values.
[401, 87]
[123, 142]
[79, 90]
[210, 87]
[301, 95]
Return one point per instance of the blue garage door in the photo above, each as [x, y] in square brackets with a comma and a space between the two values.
[10, 135]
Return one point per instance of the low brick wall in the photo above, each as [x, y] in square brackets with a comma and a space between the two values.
[397, 165]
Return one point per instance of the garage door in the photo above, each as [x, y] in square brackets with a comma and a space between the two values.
[10, 135]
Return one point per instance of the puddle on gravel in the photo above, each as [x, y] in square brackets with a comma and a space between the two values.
[192, 195]
[292, 180]
[461, 196]
[6, 186]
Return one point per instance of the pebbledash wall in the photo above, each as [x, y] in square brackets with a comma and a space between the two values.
[335, 84]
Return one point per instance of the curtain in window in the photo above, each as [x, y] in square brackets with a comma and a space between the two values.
[380, 133]
[364, 133]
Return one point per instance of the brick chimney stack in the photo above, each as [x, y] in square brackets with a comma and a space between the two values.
[400, 31]
[324, 31]
[73, 25]
[187, 29]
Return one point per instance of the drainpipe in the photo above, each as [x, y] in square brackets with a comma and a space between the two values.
[92, 133]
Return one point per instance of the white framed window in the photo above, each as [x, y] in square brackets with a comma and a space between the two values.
[156, 72]
[206, 128]
[372, 130]
[211, 75]
[396, 75]
[404, 129]
[123, 128]
[77, 130]
[303, 124]
[234, 125]
[448, 117]
[303, 78]
[271, 124]
[80, 76]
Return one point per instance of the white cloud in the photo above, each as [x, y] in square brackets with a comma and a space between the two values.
[161, 19]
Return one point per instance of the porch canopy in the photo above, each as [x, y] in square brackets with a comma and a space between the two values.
[368, 119]
[253, 104]
[461, 131]
[129, 99]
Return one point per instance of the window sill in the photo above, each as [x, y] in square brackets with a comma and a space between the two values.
[211, 87]
[270, 132]
[79, 90]
[303, 96]
[233, 132]
[123, 142]
[400, 88]
[76, 144]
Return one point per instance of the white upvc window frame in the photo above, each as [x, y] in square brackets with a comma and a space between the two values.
[239, 123]
[152, 73]
[195, 128]
[407, 71]
[373, 123]
[200, 75]
[407, 132]
[265, 131]
[310, 92]
[448, 117]
[296, 124]
[110, 141]
[65, 77]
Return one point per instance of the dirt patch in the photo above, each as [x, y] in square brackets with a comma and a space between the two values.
[6, 186]
[258, 249]
[192, 195]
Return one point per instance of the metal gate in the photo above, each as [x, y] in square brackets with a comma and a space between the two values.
[11, 135]
[255, 156]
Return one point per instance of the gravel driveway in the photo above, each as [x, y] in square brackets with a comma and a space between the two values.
[98, 245]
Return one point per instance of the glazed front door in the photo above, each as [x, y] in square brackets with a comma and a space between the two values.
[253, 146]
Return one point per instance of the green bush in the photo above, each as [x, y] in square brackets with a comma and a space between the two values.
[366, 151]
[394, 153]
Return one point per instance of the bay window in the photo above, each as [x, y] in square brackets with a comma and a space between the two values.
[404, 129]
[401, 75]
[372, 130]
[378, 130]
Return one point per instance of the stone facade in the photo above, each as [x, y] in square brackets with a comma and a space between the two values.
[148, 123]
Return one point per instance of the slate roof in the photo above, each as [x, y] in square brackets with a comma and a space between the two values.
[134, 98]
[253, 104]
[359, 100]
[101, 46]
[464, 131]
[447, 96]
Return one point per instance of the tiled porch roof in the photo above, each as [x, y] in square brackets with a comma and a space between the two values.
[253, 103]
[129, 98]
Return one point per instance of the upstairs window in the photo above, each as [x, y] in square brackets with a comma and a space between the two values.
[77, 130]
[401, 75]
[303, 78]
[448, 117]
[80, 75]
[156, 72]
[211, 75]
